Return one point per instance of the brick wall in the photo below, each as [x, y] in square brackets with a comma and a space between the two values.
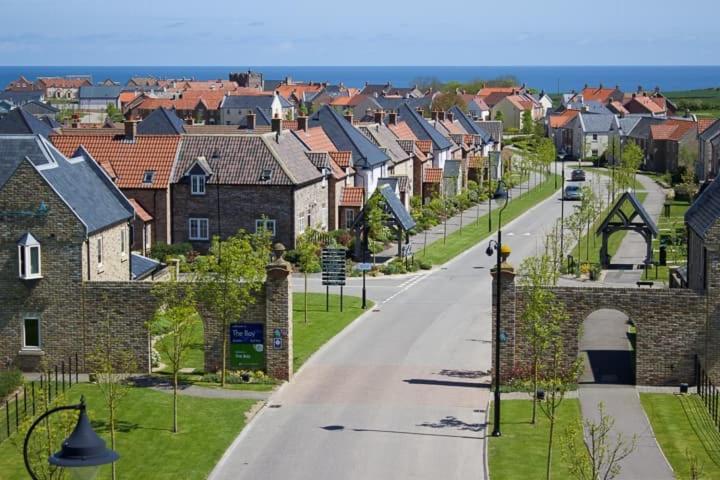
[670, 326]
[157, 203]
[115, 265]
[310, 200]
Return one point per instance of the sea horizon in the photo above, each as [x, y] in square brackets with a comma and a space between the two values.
[551, 78]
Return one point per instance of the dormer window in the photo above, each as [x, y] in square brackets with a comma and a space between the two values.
[197, 184]
[149, 176]
[29, 262]
[266, 175]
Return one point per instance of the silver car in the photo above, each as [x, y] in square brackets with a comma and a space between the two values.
[573, 192]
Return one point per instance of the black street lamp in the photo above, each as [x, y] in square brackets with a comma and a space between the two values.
[82, 453]
[562, 215]
[500, 250]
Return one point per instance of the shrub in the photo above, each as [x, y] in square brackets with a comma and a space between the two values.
[424, 265]
[161, 251]
[237, 377]
[10, 380]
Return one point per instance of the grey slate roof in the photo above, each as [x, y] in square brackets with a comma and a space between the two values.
[470, 126]
[422, 129]
[80, 182]
[639, 211]
[493, 127]
[36, 107]
[705, 211]
[394, 103]
[161, 122]
[391, 182]
[591, 106]
[21, 98]
[397, 209]
[18, 121]
[101, 92]
[142, 267]
[597, 122]
[642, 127]
[346, 138]
[628, 123]
[382, 136]
[711, 132]
[252, 101]
[452, 169]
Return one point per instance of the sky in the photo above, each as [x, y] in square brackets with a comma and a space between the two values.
[365, 32]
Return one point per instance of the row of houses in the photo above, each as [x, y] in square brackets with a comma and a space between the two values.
[188, 183]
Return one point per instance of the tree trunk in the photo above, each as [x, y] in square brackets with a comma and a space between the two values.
[306, 293]
[112, 434]
[535, 383]
[550, 442]
[224, 354]
[175, 402]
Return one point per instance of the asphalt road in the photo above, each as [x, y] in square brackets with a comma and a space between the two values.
[402, 392]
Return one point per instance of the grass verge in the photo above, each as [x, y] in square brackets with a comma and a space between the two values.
[673, 229]
[476, 231]
[682, 424]
[147, 447]
[521, 451]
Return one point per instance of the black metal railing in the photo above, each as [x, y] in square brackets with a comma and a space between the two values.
[708, 392]
[33, 397]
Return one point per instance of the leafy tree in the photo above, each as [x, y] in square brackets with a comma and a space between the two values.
[175, 323]
[230, 275]
[446, 101]
[303, 109]
[537, 274]
[527, 125]
[110, 366]
[308, 260]
[596, 455]
[632, 157]
[499, 116]
[546, 153]
[114, 113]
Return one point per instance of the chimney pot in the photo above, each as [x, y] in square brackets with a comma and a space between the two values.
[349, 117]
[379, 116]
[441, 115]
[392, 118]
[434, 115]
[277, 126]
[302, 123]
[130, 129]
[450, 116]
[251, 121]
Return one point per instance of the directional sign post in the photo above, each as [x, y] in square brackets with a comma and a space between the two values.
[333, 271]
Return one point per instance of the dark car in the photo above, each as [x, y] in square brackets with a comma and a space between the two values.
[573, 192]
[577, 175]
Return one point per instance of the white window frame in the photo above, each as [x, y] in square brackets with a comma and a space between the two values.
[349, 213]
[99, 245]
[268, 224]
[301, 223]
[123, 243]
[198, 236]
[25, 346]
[25, 260]
[197, 184]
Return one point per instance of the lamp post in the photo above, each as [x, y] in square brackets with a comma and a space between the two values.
[562, 215]
[497, 247]
[82, 453]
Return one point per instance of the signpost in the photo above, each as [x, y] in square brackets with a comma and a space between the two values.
[333, 272]
[247, 346]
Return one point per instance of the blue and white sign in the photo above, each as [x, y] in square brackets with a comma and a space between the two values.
[363, 267]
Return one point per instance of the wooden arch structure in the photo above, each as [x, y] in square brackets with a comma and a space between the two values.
[627, 214]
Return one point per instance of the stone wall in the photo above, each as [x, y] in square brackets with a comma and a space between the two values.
[670, 326]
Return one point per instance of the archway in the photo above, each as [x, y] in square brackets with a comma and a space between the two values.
[607, 348]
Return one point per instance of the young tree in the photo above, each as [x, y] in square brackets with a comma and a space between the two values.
[446, 101]
[632, 157]
[526, 124]
[174, 324]
[499, 116]
[537, 274]
[596, 455]
[114, 113]
[308, 261]
[111, 366]
[230, 275]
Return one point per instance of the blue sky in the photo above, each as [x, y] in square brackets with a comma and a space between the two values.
[365, 32]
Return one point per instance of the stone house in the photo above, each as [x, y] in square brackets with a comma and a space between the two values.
[224, 183]
[234, 109]
[141, 166]
[64, 223]
[422, 130]
[64, 88]
[513, 107]
[99, 97]
[22, 84]
[708, 151]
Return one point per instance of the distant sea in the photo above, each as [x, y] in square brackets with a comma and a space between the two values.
[548, 78]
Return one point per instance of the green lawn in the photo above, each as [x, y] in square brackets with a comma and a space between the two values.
[521, 451]
[322, 325]
[195, 357]
[669, 226]
[147, 447]
[681, 424]
[474, 232]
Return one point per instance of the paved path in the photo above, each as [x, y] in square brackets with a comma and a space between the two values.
[608, 377]
[400, 393]
[468, 216]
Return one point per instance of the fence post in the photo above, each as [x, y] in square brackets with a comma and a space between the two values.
[33, 394]
[56, 380]
[63, 375]
[69, 371]
[17, 413]
[25, 398]
[7, 416]
[76, 368]
[48, 390]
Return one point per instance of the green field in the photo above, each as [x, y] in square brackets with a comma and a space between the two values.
[321, 327]
[703, 102]
[682, 424]
[521, 451]
[474, 231]
[145, 442]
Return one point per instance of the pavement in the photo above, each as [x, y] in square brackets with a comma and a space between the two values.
[403, 391]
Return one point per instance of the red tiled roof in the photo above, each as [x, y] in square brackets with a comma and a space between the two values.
[432, 175]
[672, 129]
[662, 132]
[128, 160]
[336, 170]
[647, 104]
[425, 146]
[343, 159]
[484, 92]
[316, 139]
[402, 131]
[559, 121]
[453, 127]
[140, 212]
[352, 197]
[598, 94]
[618, 107]
[704, 124]
[521, 103]
[126, 97]
[58, 82]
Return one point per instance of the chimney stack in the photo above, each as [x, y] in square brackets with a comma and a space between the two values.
[277, 127]
[250, 121]
[434, 115]
[349, 116]
[392, 118]
[450, 117]
[130, 129]
[302, 123]
[441, 115]
[379, 116]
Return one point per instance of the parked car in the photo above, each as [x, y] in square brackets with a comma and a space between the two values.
[573, 192]
[577, 175]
